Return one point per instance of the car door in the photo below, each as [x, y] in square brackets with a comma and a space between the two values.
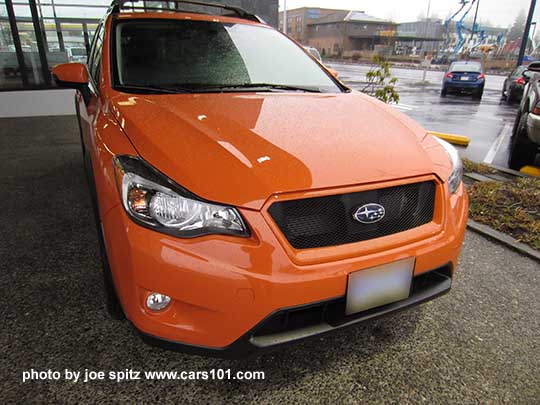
[88, 110]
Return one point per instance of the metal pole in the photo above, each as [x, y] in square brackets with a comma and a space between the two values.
[17, 42]
[474, 21]
[532, 36]
[285, 22]
[86, 38]
[40, 43]
[58, 29]
[42, 25]
[525, 38]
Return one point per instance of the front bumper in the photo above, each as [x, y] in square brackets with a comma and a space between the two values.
[463, 86]
[225, 288]
[298, 324]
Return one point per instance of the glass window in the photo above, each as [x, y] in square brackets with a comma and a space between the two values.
[198, 54]
[466, 67]
[66, 25]
[10, 72]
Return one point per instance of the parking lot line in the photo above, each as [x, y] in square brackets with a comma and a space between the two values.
[404, 107]
[503, 135]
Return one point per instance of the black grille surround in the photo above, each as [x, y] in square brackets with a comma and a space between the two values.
[328, 221]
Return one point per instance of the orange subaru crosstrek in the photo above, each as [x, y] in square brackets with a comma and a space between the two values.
[246, 198]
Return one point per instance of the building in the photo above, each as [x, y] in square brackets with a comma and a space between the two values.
[349, 33]
[299, 18]
[425, 35]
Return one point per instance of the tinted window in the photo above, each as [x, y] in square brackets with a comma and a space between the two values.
[519, 71]
[200, 53]
[466, 67]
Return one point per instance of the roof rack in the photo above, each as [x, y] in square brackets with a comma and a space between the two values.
[118, 5]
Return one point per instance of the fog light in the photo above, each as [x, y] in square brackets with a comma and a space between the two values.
[157, 301]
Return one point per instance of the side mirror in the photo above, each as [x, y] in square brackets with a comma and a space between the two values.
[333, 73]
[526, 74]
[73, 76]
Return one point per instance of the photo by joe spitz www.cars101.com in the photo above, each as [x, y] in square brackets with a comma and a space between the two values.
[234, 214]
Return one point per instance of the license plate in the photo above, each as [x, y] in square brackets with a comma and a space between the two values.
[464, 77]
[379, 285]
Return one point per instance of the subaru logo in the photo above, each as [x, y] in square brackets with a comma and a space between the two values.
[369, 213]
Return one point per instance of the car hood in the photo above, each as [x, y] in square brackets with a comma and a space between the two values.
[240, 148]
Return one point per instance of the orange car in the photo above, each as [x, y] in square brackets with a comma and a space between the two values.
[245, 198]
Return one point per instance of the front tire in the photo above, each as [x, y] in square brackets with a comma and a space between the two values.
[511, 97]
[522, 150]
[112, 303]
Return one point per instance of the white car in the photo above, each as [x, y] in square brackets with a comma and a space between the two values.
[314, 52]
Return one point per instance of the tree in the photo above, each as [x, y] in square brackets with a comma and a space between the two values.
[516, 31]
[380, 83]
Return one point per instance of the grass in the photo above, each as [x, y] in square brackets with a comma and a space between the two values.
[509, 207]
[469, 166]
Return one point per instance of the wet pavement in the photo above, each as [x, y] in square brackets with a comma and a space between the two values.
[484, 122]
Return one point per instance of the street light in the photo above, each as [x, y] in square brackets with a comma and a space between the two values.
[525, 38]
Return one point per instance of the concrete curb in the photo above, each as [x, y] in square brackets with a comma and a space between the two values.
[509, 171]
[506, 240]
[452, 138]
[477, 176]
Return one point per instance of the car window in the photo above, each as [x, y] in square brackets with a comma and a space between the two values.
[316, 54]
[519, 71]
[465, 67]
[208, 53]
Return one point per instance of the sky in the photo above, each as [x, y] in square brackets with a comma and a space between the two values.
[498, 12]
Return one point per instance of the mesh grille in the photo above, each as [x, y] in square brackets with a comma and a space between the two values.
[328, 221]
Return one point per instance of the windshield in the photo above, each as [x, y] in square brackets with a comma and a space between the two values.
[465, 67]
[195, 55]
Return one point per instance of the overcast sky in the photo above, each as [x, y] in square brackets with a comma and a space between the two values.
[498, 12]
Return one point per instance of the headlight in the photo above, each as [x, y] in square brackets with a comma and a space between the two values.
[154, 201]
[457, 166]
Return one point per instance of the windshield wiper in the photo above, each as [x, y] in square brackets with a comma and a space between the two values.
[260, 86]
[153, 89]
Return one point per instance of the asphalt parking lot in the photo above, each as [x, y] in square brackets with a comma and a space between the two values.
[478, 344]
[488, 123]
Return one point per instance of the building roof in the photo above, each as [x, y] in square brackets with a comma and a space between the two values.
[289, 10]
[348, 16]
[337, 16]
[361, 16]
